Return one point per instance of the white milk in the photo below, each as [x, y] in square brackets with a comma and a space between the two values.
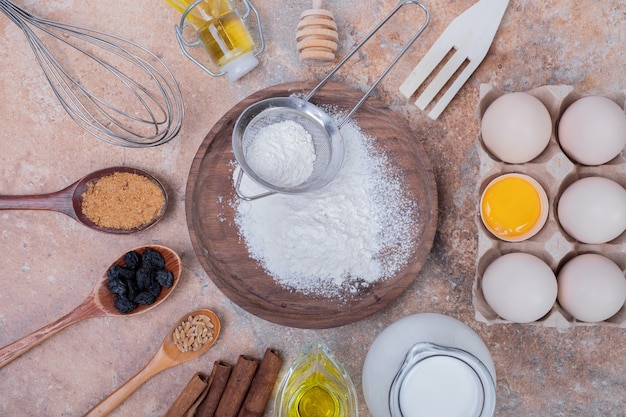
[429, 365]
[441, 386]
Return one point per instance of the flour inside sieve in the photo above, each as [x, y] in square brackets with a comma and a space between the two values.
[282, 154]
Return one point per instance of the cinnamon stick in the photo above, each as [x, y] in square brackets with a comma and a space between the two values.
[237, 387]
[219, 377]
[262, 385]
[188, 396]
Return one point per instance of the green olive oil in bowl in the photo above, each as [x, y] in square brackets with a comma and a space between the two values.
[316, 385]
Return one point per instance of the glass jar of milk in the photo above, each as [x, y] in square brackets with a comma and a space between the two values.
[429, 365]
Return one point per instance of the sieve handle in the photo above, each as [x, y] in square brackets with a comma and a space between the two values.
[360, 44]
[248, 197]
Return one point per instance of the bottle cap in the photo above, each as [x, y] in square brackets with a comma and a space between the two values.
[240, 66]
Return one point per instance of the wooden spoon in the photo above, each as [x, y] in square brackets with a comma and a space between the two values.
[167, 356]
[69, 200]
[98, 303]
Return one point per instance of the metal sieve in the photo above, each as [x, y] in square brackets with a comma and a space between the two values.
[325, 133]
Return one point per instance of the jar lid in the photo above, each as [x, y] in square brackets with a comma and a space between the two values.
[240, 66]
[443, 382]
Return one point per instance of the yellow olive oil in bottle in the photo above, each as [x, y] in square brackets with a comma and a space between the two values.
[316, 385]
[224, 35]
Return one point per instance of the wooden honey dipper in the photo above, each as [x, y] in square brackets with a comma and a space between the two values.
[317, 37]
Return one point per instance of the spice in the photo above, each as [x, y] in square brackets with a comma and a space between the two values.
[193, 333]
[196, 388]
[354, 231]
[240, 391]
[219, 378]
[237, 387]
[262, 385]
[122, 200]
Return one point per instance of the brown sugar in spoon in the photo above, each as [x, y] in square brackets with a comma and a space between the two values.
[99, 303]
[316, 37]
[167, 356]
[69, 200]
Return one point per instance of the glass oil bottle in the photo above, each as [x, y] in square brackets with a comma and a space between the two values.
[316, 385]
[224, 35]
[222, 32]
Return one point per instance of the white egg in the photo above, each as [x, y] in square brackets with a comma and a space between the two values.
[592, 287]
[519, 287]
[516, 127]
[592, 130]
[593, 210]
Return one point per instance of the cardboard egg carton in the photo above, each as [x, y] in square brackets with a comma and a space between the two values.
[555, 172]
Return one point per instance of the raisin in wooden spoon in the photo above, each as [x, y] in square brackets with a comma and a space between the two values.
[99, 303]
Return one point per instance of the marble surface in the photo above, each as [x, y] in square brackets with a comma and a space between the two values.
[50, 262]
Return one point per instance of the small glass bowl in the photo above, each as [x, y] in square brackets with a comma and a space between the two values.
[316, 385]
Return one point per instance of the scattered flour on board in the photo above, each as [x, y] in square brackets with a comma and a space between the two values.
[351, 233]
[282, 154]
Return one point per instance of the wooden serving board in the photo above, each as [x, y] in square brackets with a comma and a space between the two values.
[224, 255]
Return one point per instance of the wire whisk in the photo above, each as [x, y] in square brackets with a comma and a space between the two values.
[115, 89]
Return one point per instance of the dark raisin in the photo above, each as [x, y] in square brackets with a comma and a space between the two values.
[132, 260]
[127, 274]
[145, 298]
[153, 259]
[155, 289]
[165, 277]
[132, 289]
[123, 304]
[145, 277]
[115, 272]
[116, 286]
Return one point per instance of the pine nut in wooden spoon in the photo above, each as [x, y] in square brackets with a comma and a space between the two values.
[167, 356]
[99, 303]
[69, 200]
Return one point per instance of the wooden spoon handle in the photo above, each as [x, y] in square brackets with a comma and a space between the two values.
[156, 365]
[23, 345]
[60, 201]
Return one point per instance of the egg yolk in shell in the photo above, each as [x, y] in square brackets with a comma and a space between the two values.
[511, 207]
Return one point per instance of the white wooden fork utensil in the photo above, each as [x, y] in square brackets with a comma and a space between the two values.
[470, 35]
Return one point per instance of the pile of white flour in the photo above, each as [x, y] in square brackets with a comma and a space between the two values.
[355, 231]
